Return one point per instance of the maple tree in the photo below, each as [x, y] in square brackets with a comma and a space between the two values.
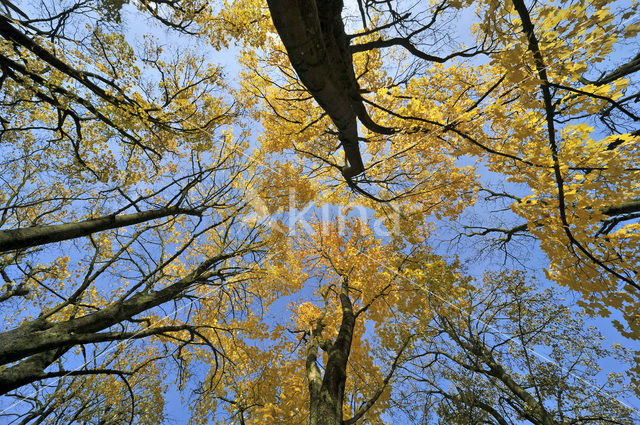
[134, 251]
[315, 362]
[400, 335]
[544, 98]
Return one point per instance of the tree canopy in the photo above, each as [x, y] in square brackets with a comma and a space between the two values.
[161, 161]
[543, 98]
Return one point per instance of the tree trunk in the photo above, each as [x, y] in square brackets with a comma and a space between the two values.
[327, 392]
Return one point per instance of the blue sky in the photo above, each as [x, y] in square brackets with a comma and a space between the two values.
[134, 26]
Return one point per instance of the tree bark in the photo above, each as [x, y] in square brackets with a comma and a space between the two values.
[39, 235]
[327, 398]
[29, 343]
[313, 34]
[29, 370]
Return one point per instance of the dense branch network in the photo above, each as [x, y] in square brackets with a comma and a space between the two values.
[469, 123]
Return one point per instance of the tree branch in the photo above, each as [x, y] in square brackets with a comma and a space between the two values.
[40, 235]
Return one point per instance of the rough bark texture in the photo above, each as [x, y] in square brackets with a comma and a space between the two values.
[313, 34]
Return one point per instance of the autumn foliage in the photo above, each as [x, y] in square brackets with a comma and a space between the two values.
[245, 201]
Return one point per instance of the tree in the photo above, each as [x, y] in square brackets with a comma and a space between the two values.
[130, 256]
[318, 49]
[545, 98]
[120, 214]
[378, 332]
[513, 354]
[315, 362]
